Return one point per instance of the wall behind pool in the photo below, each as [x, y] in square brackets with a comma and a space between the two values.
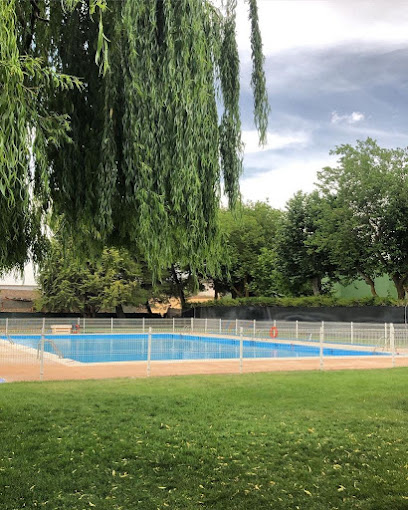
[378, 314]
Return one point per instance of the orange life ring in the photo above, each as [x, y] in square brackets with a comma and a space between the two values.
[273, 332]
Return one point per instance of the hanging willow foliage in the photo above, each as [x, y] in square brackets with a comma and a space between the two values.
[146, 147]
[27, 128]
[258, 80]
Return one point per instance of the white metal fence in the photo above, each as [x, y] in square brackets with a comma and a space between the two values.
[32, 345]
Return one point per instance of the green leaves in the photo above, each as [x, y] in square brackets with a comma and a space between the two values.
[302, 260]
[369, 193]
[247, 236]
[18, 220]
[306, 301]
[70, 283]
[27, 130]
[258, 80]
[131, 150]
[230, 128]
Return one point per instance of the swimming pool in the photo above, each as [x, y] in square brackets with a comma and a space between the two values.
[134, 347]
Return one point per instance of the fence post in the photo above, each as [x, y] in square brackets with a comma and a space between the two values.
[254, 328]
[220, 326]
[42, 350]
[7, 327]
[351, 332]
[111, 324]
[392, 343]
[206, 325]
[321, 345]
[274, 323]
[84, 325]
[297, 330]
[241, 349]
[174, 325]
[143, 325]
[149, 350]
[385, 335]
[236, 327]
[192, 324]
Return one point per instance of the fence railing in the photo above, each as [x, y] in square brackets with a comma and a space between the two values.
[32, 345]
[343, 332]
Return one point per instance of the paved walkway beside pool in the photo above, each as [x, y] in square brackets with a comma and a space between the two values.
[29, 369]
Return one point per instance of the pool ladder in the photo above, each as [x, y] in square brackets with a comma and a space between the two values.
[53, 345]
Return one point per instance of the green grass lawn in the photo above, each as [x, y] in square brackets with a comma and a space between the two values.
[291, 440]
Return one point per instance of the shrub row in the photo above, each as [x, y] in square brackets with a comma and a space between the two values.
[312, 301]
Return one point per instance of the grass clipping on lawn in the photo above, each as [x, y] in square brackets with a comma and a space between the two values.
[284, 441]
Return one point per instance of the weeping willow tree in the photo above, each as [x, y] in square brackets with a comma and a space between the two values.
[26, 129]
[123, 117]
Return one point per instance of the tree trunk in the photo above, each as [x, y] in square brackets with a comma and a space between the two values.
[400, 286]
[317, 285]
[216, 293]
[246, 287]
[369, 281]
[179, 286]
[235, 293]
[120, 314]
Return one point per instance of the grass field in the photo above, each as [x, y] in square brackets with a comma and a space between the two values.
[283, 441]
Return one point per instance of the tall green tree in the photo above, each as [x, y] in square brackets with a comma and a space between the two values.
[339, 236]
[246, 235]
[133, 153]
[370, 187]
[302, 261]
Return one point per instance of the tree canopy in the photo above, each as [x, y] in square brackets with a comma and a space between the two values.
[338, 236]
[303, 262]
[369, 186]
[246, 235]
[109, 116]
[71, 284]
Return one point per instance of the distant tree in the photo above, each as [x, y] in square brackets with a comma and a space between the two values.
[267, 276]
[176, 282]
[246, 234]
[302, 262]
[370, 186]
[339, 235]
[70, 284]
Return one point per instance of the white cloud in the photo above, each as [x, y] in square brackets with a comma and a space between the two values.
[280, 184]
[275, 141]
[316, 24]
[352, 118]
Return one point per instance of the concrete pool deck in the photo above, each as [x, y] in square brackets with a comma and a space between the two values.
[29, 370]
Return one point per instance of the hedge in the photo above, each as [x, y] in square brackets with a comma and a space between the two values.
[312, 301]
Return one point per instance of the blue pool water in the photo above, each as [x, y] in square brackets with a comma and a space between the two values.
[133, 347]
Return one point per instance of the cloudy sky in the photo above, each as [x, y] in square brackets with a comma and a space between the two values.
[336, 72]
